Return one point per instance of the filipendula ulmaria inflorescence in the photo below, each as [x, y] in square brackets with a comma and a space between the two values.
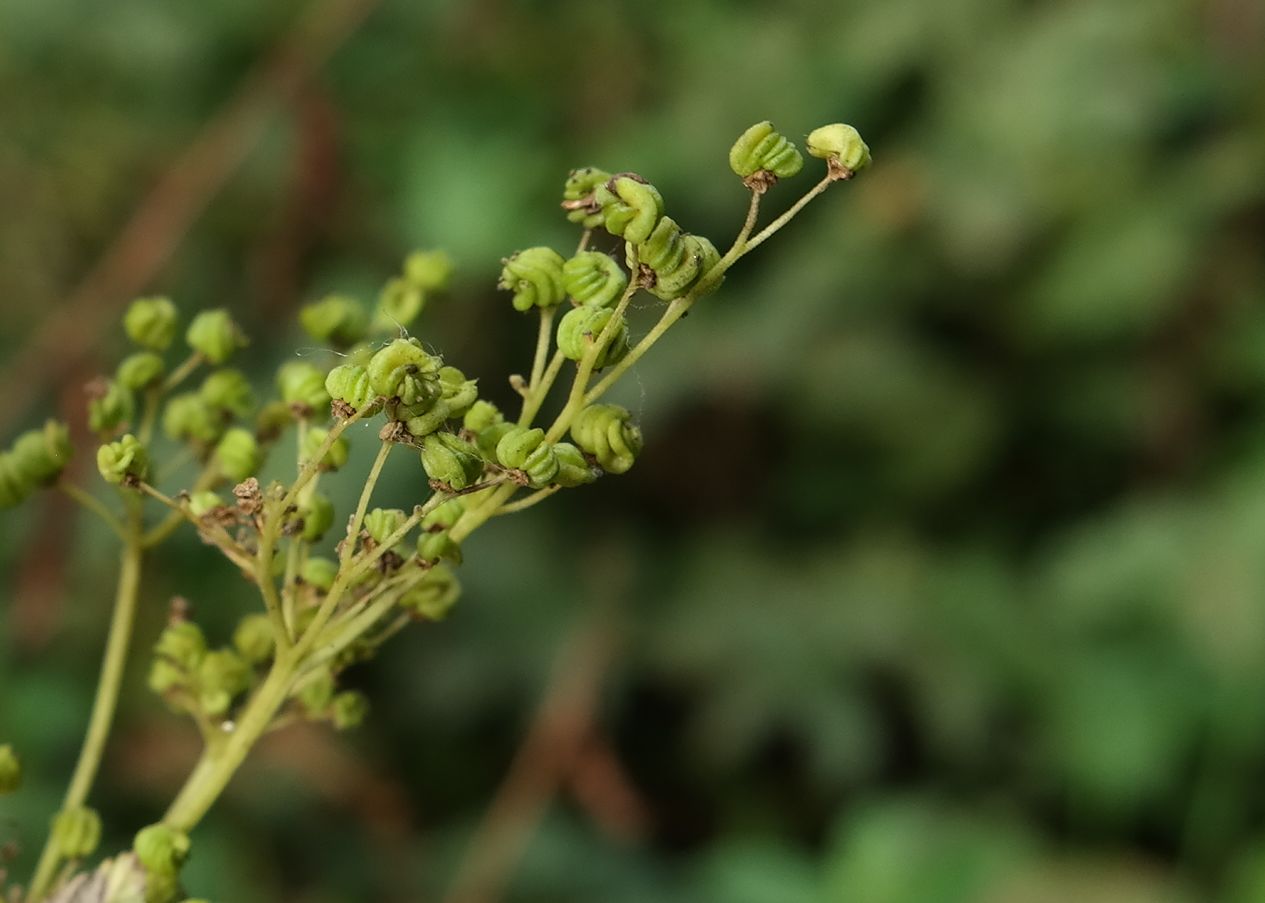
[393, 565]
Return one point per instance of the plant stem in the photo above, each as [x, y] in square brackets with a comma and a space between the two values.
[543, 339]
[353, 528]
[313, 467]
[771, 229]
[524, 503]
[536, 397]
[117, 642]
[218, 763]
[159, 534]
[96, 506]
[177, 376]
[153, 396]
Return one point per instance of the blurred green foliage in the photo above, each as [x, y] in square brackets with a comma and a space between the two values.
[945, 553]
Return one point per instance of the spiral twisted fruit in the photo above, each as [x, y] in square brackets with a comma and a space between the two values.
[581, 327]
[228, 391]
[302, 386]
[573, 469]
[578, 196]
[161, 849]
[840, 145]
[349, 383]
[36, 458]
[761, 152]
[433, 597]
[238, 454]
[526, 450]
[151, 322]
[456, 395]
[594, 279]
[534, 276]
[631, 206]
[140, 370]
[110, 406]
[676, 259]
[336, 319]
[405, 371]
[188, 418]
[123, 460]
[214, 335]
[606, 432]
[449, 459]
[77, 832]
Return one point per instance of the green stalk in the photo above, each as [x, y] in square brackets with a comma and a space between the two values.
[103, 707]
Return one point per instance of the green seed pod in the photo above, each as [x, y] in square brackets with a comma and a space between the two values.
[39, 456]
[140, 370]
[110, 407]
[181, 643]
[405, 371]
[336, 319]
[228, 391]
[451, 460]
[222, 676]
[841, 144]
[302, 385]
[348, 709]
[214, 335]
[428, 270]
[161, 848]
[272, 420]
[481, 415]
[253, 638]
[188, 418]
[488, 438]
[630, 206]
[606, 432]
[434, 597]
[432, 547]
[10, 769]
[456, 395]
[318, 517]
[319, 572]
[76, 832]
[443, 515]
[349, 383]
[238, 454]
[204, 502]
[457, 392]
[676, 258]
[760, 149]
[337, 455]
[580, 328]
[526, 450]
[578, 196]
[399, 303]
[380, 523]
[594, 279]
[573, 468]
[708, 257]
[123, 459]
[317, 693]
[534, 276]
[151, 322]
[164, 676]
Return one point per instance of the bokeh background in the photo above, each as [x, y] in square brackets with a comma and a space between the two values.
[942, 577]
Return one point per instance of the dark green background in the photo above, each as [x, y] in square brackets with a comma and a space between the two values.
[941, 577]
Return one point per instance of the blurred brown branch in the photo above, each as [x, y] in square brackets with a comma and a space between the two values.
[561, 749]
[151, 236]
